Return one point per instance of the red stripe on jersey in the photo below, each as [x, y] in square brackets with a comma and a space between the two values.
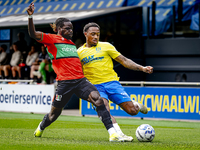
[69, 68]
[65, 68]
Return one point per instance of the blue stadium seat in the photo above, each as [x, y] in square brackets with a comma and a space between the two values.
[19, 6]
[163, 8]
[164, 11]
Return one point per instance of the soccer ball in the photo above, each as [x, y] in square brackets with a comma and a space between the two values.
[145, 133]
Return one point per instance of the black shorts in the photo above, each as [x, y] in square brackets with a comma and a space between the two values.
[66, 88]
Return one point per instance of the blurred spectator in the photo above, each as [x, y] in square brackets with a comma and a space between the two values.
[184, 78]
[110, 37]
[14, 62]
[22, 45]
[3, 58]
[79, 39]
[30, 59]
[78, 43]
[42, 65]
[11, 50]
[178, 77]
[32, 56]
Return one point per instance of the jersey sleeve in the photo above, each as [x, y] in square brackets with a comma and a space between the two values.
[111, 50]
[46, 39]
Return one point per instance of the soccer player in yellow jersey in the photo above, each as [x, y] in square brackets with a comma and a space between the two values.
[96, 59]
[70, 77]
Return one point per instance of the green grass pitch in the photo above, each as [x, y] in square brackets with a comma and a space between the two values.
[88, 133]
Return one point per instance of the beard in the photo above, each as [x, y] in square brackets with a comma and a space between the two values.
[67, 37]
[93, 45]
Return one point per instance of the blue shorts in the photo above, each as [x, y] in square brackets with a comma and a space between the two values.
[113, 91]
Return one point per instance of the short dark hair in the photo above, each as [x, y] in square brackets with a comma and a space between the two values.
[91, 24]
[60, 22]
[16, 43]
[21, 35]
[4, 47]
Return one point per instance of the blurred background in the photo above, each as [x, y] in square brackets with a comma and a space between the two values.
[161, 33]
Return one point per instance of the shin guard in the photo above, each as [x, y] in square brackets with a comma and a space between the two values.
[45, 122]
[104, 116]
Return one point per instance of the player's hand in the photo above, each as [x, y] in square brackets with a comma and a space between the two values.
[29, 53]
[148, 69]
[30, 9]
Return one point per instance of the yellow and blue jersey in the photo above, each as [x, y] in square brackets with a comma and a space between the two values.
[97, 62]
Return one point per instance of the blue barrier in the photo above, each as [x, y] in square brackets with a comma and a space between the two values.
[167, 103]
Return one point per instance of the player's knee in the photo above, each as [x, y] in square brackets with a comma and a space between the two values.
[99, 101]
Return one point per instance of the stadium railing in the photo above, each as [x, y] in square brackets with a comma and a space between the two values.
[21, 81]
[144, 83]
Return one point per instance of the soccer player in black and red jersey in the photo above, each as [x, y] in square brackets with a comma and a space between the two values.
[70, 77]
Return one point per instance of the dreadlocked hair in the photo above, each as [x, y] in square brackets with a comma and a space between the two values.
[91, 24]
[59, 23]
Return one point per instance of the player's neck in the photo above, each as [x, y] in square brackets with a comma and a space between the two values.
[59, 35]
[89, 45]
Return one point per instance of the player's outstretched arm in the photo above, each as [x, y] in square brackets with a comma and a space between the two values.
[31, 28]
[132, 65]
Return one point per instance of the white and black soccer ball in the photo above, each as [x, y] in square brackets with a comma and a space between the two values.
[145, 133]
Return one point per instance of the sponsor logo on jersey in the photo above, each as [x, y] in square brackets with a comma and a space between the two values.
[90, 59]
[68, 49]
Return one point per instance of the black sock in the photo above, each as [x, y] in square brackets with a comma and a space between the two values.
[14, 78]
[45, 122]
[104, 116]
[6, 77]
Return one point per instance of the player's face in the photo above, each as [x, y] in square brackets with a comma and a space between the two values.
[32, 49]
[43, 49]
[15, 47]
[67, 30]
[92, 36]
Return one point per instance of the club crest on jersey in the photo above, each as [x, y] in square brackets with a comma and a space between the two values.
[58, 97]
[98, 49]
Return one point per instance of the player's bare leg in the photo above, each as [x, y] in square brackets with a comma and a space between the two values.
[104, 116]
[115, 124]
[133, 107]
[47, 120]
